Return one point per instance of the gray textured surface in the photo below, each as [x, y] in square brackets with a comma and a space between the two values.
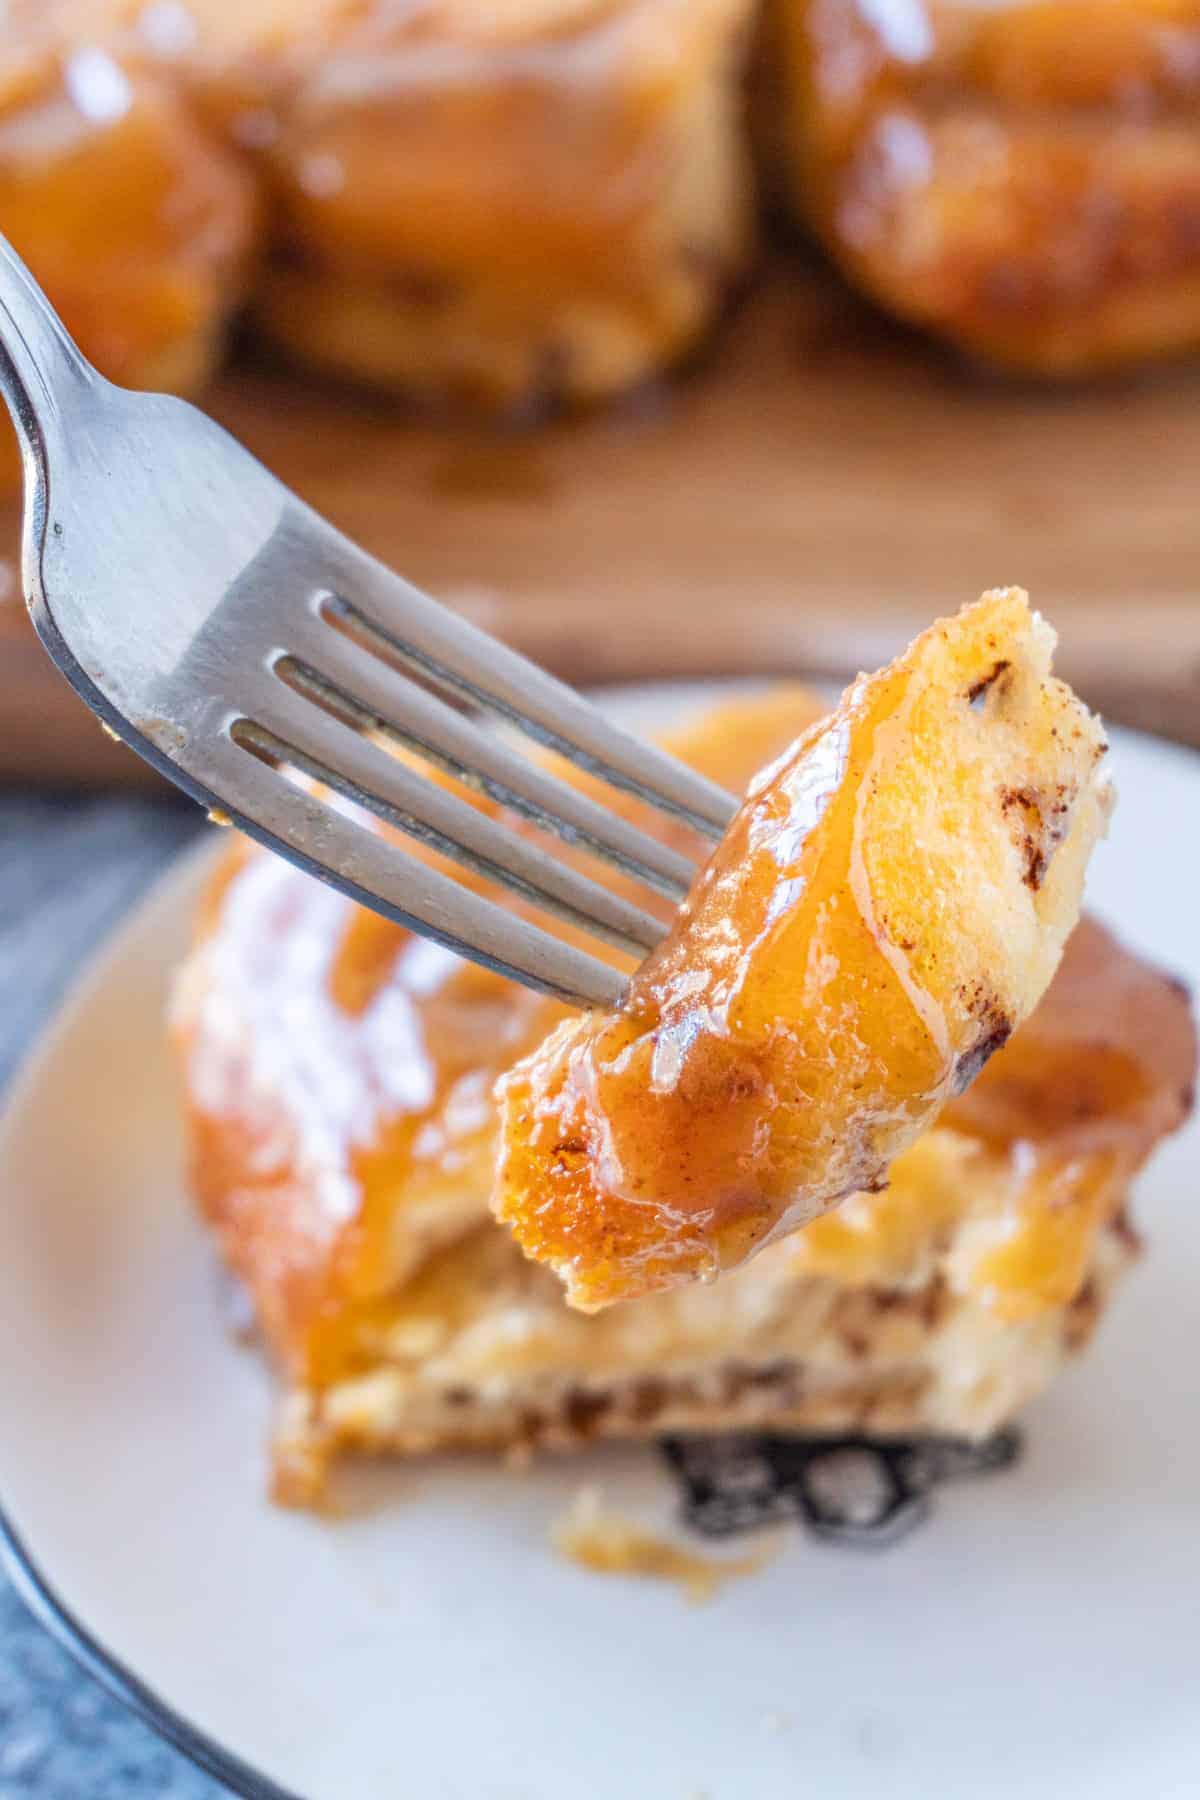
[69, 870]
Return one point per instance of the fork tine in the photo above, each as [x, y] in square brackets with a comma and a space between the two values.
[377, 873]
[482, 758]
[227, 546]
[333, 752]
[410, 626]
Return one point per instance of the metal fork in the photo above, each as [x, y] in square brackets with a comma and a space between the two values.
[233, 638]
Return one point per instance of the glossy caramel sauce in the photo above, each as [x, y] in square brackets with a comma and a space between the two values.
[144, 279]
[376, 182]
[875, 922]
[1039, 1150]
[338, 1074]
[1023, 177]
[449, 151]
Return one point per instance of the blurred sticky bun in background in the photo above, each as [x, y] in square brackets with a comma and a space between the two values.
[512, 204]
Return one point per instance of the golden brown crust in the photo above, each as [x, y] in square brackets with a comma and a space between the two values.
[139, 223]
[532, 201]
[512, 205]
[1023, 178]
[887, 906]
[503, 204]
[353, 1201]
[328, 1172]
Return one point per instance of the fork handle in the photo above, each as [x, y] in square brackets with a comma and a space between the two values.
[39, 362]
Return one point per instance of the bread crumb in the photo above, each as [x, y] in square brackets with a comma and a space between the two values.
[604, 1542]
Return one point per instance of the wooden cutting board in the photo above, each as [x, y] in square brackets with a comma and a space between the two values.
[820, 489]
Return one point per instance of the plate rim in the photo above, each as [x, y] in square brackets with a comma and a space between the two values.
[36, 1593]
[117, 1680]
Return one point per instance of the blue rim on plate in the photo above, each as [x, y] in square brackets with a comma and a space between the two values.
[112, 1675]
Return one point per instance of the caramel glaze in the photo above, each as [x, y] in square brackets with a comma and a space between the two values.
[138, 222]
[515, 204]
[337, 1075]
[887, 906]
[505, 204]
[1044, 1142]
[1023, 177]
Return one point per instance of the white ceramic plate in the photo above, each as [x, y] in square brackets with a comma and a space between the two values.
[1036, 1637]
